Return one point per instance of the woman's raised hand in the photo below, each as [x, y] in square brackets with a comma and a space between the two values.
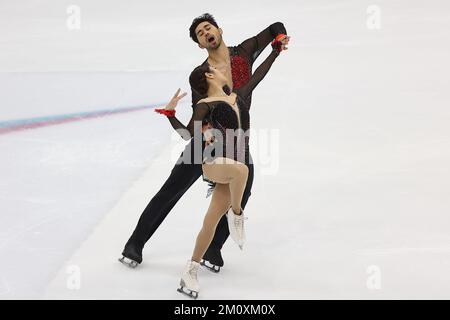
[174, 101]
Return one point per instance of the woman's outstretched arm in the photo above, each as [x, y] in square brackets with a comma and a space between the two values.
[188, 131]
[258, 75]
[199, 113]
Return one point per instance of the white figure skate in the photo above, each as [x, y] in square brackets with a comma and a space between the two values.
[189, 284]
[236, 227]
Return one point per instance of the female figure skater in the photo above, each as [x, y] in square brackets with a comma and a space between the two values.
[224, 158]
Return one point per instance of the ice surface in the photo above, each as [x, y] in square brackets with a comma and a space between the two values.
[362, 180]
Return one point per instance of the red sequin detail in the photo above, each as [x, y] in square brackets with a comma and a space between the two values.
[168, 113]
[240, 71]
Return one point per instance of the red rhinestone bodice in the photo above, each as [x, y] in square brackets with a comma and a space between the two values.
[240, 71]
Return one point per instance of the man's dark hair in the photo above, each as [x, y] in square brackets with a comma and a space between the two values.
[204, 17]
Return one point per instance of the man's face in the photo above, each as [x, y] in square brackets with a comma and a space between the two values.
[208, 35]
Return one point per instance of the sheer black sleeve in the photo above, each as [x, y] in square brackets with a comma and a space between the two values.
[200, 112]
[258, 75]
[255, 45]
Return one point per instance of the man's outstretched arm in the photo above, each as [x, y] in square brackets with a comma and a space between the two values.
[255, 45]
[200, 110]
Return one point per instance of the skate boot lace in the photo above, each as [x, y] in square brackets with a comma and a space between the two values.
[239, 223]
[193, 272]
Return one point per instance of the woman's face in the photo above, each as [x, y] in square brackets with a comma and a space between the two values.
[217, 76]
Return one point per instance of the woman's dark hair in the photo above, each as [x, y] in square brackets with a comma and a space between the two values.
[204, 17]
[198, 82]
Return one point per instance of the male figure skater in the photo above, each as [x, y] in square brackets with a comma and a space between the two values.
[236, 63]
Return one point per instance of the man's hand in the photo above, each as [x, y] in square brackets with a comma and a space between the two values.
[285, 41]
[174, 101]
[280, 42]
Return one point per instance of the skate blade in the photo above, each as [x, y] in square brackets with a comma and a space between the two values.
[128, 262]
[210, 266]
[189, 293]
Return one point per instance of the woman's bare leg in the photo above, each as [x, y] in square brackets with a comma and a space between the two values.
[231, 172]
[220, 203]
